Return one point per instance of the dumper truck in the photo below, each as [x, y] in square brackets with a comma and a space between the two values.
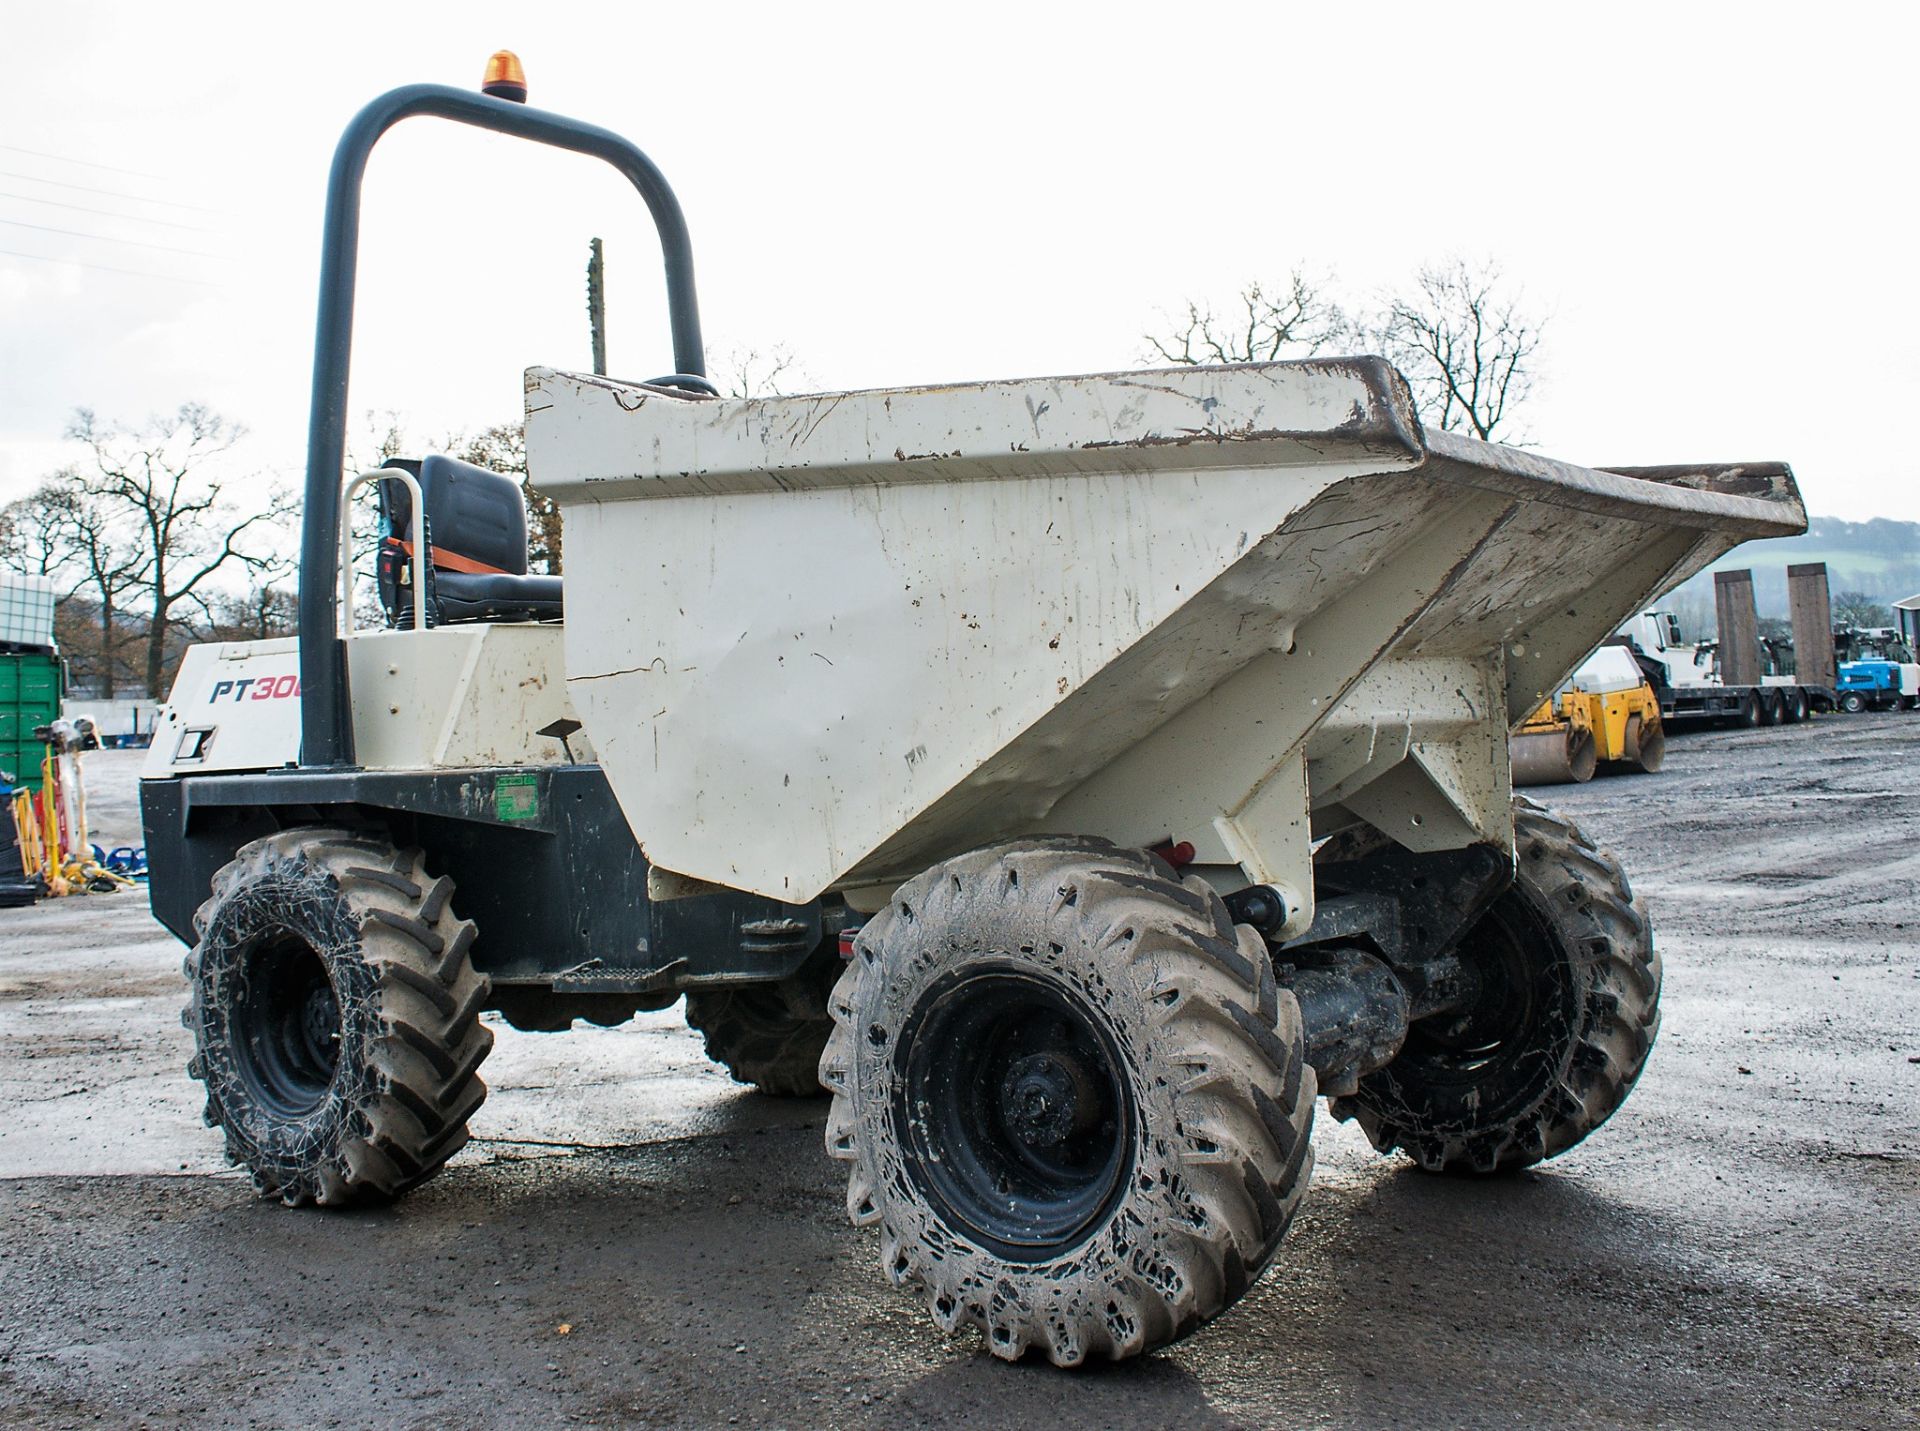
[1074, 777]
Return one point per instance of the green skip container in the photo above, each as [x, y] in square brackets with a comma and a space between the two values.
[29, 697]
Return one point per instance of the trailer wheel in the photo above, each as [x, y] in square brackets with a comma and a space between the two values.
[1772, 708]
[1073, 1097]
[1752, 712]
[1853, 702]
[335, 1013]
[771, 1035]
[1567, 1011]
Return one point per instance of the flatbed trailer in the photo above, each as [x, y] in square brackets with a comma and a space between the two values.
[1766, 704]
[1685, 675]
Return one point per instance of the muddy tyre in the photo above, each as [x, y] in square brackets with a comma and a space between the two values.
[1073, 1097]
[771, 1036]
[335, 1015]
[1853, 703]
[1567, 1011]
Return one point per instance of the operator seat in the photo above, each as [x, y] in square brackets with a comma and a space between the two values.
[476, 543]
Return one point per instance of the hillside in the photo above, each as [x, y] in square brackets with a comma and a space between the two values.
[1880, 558]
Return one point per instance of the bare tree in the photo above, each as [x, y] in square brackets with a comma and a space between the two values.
[1860, 608]
[386, 439]
[66, 531]
[1300, 321]
[32, 531]
[153, 484]
[1466, 343]
[262, 611]
[743, 372]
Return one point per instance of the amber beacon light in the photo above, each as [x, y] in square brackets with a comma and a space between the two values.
[504, 78]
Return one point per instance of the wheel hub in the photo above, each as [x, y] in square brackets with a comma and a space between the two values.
[320, 1024]
[1046, 1098]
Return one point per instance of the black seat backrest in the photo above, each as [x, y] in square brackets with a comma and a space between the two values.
[471, 512]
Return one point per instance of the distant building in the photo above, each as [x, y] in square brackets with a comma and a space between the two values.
[1907, 613]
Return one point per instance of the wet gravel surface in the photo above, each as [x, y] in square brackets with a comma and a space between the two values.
[631, 1240]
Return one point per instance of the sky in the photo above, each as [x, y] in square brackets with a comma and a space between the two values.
[1711, 202]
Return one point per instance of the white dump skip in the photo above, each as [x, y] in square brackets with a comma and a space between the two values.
[823, 640]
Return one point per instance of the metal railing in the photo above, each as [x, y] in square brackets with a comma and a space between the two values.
[344, 617]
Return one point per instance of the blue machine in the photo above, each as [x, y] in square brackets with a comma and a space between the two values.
[1876, 669]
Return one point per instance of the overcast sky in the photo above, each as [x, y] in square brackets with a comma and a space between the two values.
[1715, 203]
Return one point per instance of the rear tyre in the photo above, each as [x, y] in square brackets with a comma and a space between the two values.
[1567, 1009]
[771, 1035]
[335, 1014]
[1073, 1098]
[1797, 705]
[1752, 712]
[1772, 708]
[1852, 702]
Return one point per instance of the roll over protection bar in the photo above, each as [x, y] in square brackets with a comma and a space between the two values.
[326, 712]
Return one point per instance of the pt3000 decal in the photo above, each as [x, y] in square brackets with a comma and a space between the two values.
[256, 688]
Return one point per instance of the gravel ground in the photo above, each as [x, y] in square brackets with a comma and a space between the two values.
[1737, 1247]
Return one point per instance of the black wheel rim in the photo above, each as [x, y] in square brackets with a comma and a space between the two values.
[288, 1025]
[1499, 1055]
[1013, 1116]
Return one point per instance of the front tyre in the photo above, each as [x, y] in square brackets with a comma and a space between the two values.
[1073, 1097]
[335, 1015]
[1565, 1010]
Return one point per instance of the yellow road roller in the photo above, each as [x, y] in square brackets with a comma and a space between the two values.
[1605, 718]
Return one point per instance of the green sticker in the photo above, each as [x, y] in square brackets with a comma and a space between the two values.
[516, 797]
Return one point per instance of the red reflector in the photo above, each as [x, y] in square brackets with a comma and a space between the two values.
[1178, 855]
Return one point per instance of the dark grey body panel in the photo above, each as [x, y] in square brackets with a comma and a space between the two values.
[542, 860]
